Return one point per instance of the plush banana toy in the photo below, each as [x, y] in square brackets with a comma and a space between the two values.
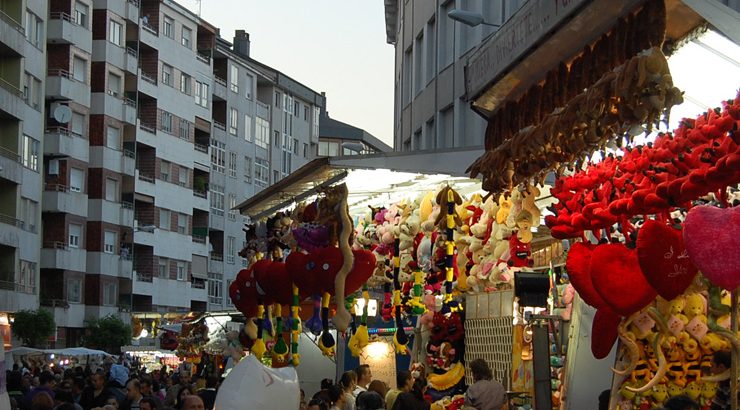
[259, 348]
[360, 338]
[280, 349]
[326, 340]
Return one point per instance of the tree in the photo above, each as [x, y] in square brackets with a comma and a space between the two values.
[33, 327]
[108, 333]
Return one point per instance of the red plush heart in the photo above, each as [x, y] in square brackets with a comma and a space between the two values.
[314, 273]
[616, 276]
[274, 280]
[604, 332]
[712, 238]
[663, 259]
[578, 266]
[243, 292]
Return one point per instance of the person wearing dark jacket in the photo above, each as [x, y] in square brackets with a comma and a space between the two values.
[95, 395]
[209, 393]
[414, 399]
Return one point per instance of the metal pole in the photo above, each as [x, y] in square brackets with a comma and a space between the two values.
[541, 363]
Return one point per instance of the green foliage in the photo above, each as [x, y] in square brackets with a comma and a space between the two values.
[108, 333]
[33, 327]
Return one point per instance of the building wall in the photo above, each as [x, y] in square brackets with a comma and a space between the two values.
[431, 52]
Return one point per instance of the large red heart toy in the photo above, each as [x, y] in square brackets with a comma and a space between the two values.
[604, 332]
[663, 259]
[712, 237]
[617, 277]
[578, 266]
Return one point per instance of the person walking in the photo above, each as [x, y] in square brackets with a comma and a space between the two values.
[364, 377]
[485, 393]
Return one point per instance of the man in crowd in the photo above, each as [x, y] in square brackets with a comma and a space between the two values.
[133, 395]
[95, 395]
[404, 383]
[485, 393]
[209, 393]
[183, 381]
[364, 377]
[46, 385]
[193, 402]
[147, 390]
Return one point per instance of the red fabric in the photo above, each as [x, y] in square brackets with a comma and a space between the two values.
[617, 277]
[712, 237]
[604, 332]
[663, 259]
[578, 266]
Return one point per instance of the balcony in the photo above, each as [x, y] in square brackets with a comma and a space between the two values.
[15, 296]
[128, 167]
[198, 290]
[13, 34]
[112, 159]
[143, 237]
[148, 83]
[60, 85]
[131, 61]
[62, 29]
[127, 214]
[132, 10]
[57, 255]
[143, 283]
[125, 58]
[200, 200]
[145, 184]
[113, 105]
[105, 211]
[11, 99]
[10, 231]
[146, 134]
[263, 110]
[11, 166]
[60, 198]
[216, 222]
[148, 34]
[109, 264]
[201, 156]
[61, 142]
[219, 88]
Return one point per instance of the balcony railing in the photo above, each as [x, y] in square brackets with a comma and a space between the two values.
[11, 88]
[217, 256]
[11, 155]
[216, 300]
[201, 147]
[60, 72]
[200, 194]
[148, 78]
[199, 239]
[148, 128]
[60, 15]
[55, 245]
[129, 154]
[132, 52]
[127, 205]
[219, 125]
[146, 178]
[9, 220]
[198, 284]
[144, 277]
[146, 26]
[134, 2]
[220, 81]
[11, 21]
[204, 58]
[129, 102]
[60, 303]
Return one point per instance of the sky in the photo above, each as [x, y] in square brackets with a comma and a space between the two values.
[335, 46]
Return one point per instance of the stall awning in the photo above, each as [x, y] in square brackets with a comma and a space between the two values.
[543, 33]
[376, 177]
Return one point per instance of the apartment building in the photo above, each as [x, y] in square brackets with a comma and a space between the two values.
[22, 80]
[265, 125]
[431, 53]
[338, 138]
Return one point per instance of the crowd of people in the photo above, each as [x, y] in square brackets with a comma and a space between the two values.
[111, 387]
[356, 390]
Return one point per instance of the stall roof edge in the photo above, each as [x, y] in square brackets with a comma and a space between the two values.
[325, 171]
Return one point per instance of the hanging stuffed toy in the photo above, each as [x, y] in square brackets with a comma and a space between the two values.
[259, 348]
[360, 338]
[326, 340]
[708, 229]
[295, 327]
[280, 349]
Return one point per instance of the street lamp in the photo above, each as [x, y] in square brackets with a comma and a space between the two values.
[470, 18]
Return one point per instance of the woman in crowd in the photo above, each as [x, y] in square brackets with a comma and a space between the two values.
[348, 382]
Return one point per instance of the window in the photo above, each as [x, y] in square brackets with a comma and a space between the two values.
[235, 79]
[187, 35]
[110, 294]
[247, 169]
[109, 242]
[114, 84]
[166, 74]
[446, 127]
[166, 122]
[115, 33]
[247, 128]
[184, 131]
[230, 249]
[34, 29]
[164, 170]
[76, 179]
[430, 139]
[278, 98]
[218, 156]
[305, 150]
[186, 83]
[78, 124]
[30, 214]
[79, 69]
[164, 219]
[232, 164]
[296, 108]
[27, 272]
[182, 223]
[30, 153]
[182, 270]
[74, 291]
[234, 122]
[215, 282]
[328, 149]
[201, 94]
[431, 51]
[167, 27]
[315, 129]
[81, 13]
[248, 86]
[184, 176]
[418, 61]
[111, 190]
[305, 112]
[113, 138]
[163, 266]
[295, 146]
[446, 36]
[276, 138]
[275, 176]
[217, 199]
[232, 204]
[75, 233]
[261, 171]
[262, 132]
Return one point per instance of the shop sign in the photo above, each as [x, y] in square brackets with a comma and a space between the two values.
[534, 20]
